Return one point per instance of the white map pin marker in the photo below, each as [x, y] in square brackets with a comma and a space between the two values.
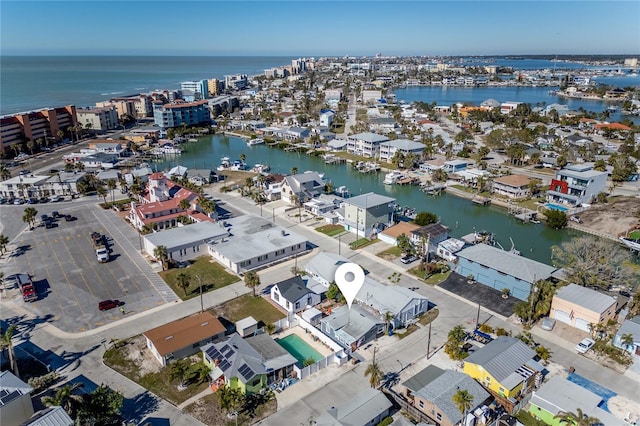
[349, 278]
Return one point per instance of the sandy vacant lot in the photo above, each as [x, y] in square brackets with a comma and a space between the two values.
[615, 218]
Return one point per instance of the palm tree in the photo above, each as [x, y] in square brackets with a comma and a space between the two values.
[29, 216]
[252, 280]
[294, 170]
[543, 352]
[184, 281]
[184, 204]
[4, 172]
[64, 397]
[579, 418]
[228, 399]
[388, 317]
[626, 339]
[243, 158]
[179, 371]
[4, 241]
[374, 372]
[7, 343]
[102, 193]
[161, 253]
[464, 401]
[111, 184]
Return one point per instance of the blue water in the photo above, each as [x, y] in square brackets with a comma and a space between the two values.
[33, 82]
[556, 207]
[594, 387]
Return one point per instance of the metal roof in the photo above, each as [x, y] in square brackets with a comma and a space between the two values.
[631, 326]
[502, 357]
[369, 137]
[52, 416]
[325, 264]
[369, 200]
[423, 378]
[517, 266]
[586, 298]
[384, 298]
[236, 358]
[404, 144]
[360, 409]
[187, 235]
[11, 387]
[274, 355]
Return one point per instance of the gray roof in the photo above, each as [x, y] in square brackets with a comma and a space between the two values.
[352, 325]
[186, 235]
[506, 262]
[252, 236]
[274, 355]
[325, 264]
[384, 298]
[369, 137]
[441, 390]
[559, 394]
[404, 144]
[67, 177]
[369, 200]
[11, 387]
[502, 357]
[52, 416]
[337, 143]
[631, 326]
[586, 297]
[359, 410]
[432, 230]
[237, 352]
[423, 378]
[293, 288]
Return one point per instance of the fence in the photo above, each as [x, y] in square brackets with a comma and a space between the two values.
[328, 341]
[313, 368]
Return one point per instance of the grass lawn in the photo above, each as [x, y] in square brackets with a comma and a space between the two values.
[528, 420]
[635, 235]
[331, 230]
[392, 252]
[530, 204]
[248, 305]
[433, 279]
[212, 274]
[408, 331]
[362, 243]
[429, 316]
[463, 188]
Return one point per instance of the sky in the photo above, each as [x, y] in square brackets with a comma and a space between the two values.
[319, 28]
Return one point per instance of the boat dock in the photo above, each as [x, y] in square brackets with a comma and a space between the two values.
[481, 201]
[408, 181]
[332, 159]
[523, 214]
[434, 189]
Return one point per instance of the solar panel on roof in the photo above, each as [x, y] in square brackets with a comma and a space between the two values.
[224, 365]
[248, 373]
[227, 351]
[213, 353]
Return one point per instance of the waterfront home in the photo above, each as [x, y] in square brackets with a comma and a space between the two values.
[508, 107]
[319, 207]
[302, 187]
[390, 235]
[501, 269]
[390, 148]
[384, 125]
[273, 186]
[185, 242]
[576, 184]
[403, 304]
[183, 337]
[559, 395]
[337, 145]
[447, 249]
[426, 238]
[293, 295]
[629, 326]
[15, 400]
[365, 144]
[326, 119]
[455, 166]
[352, 328]
[367, 408]
[512, 186]
[177, 172]
[141, 174]
[253, 242]
[431, 393]
[367, 214]
[581, 307]
[506, 367]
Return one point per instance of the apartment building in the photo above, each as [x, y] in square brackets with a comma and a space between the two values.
[180, 113]
[99, 118]
[44, 123]
[199, 88]
[388, 149]
[365, 144]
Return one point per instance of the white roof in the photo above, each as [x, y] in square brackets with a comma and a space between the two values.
[384, 298]
[188, 234]
[246, 323]
[586, 297]
[364, 406]
[404, 144]
[369, 200]
[369, 137]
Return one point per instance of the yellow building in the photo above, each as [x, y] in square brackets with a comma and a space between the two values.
[505, 367]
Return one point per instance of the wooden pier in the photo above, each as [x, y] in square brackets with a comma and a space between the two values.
[481, 201]
[408, 181]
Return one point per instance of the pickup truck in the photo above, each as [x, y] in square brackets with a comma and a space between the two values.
[99, 245]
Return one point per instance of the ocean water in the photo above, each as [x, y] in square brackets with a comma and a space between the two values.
[33, 82]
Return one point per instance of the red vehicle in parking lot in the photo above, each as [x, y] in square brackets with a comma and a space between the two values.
[105, 305]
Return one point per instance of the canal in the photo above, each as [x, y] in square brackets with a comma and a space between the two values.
[461, 215]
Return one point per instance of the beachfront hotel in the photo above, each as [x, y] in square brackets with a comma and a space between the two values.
[180, 113]
[44, 123]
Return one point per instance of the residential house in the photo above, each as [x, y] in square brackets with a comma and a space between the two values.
[390, 148]
[367, 408]
[337, 145]
[273, 186]
[454, 166]
[390, 235]
[319, 207]
[301, 187]
[235, 363]
[371, 96]
[447, 249]
[293, 295]
[502, 269]
[367, 214]
[322, 267]
[109, 146]
[580, 306]
[508, 107]
[253, 242]
[185, 242]
[276, 360]
[15, 400]
[431, 391]
[365, 144]
[326, 119]
[577, 184]
[384, 125]
[629, 326]
[505, 366]
[99, 160]
[426, 238]
[352, 328]
[512, 186]
[560, 395]
[403, 304]
[183, 337]
[52, 416]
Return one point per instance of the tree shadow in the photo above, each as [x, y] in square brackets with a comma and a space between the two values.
[137, 408]
[25, 326]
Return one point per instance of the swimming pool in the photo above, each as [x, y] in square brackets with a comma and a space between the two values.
[594, 387]
[556, 207]
[299, 348]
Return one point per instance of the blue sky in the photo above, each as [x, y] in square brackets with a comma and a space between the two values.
[321, 28]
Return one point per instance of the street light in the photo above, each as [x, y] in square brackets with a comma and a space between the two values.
[201, 300]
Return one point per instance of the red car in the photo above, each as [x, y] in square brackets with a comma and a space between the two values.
[105, 305]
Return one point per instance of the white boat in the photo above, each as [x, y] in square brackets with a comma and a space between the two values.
[392, 177]
[632, 244]
[166, 149]
[261, 168]
[225, 163]
[256, 141]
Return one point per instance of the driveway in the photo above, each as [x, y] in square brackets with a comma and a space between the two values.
[486, 296]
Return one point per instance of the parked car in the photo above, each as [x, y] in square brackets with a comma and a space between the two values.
[105, 305]
[56, 198]
[18, 201]
[55, 214]
[575, 219]
[69, 218]
[32, 201]
[408, 259]
[548, 323]
[25, 172]
[584, 345]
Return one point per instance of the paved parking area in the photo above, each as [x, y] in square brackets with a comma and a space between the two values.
[488, 297]
[68, 278]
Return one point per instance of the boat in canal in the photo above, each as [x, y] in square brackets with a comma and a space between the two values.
[256, 141]
[634, 245]
[392, 177]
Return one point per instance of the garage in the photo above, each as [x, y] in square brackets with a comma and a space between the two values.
[562, 316]
[581, 324]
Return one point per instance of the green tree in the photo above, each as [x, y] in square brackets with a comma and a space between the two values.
[404, 243]
[184, 281]
[101, 407]
[463, 400]
[543, 352]
[252, 280]
[4, 172]
[374, 372]
[184, 204]
[626, 340]
[179, 371]
[228, 399]
[102, 193]
[294, 170]
[556, 219]
[29, 216]
[388, 317]
[65, 398]
[6, 343]
[112, 184]
[161, 254]
[334, 293]
[4, 241]
[243, 157]
[579, 418]
[425, 218]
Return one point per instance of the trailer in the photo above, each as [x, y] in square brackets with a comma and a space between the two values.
[27, 288]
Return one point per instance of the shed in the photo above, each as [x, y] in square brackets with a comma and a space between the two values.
[312, 316]
[247, 326]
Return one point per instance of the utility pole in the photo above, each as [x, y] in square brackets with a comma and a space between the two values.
[478, 316]
[429, 339]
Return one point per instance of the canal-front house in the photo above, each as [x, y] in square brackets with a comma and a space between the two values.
[501, 269]
[577, 184]
[367, 214]
[388, 149]
[512, 186]
[301, 187]
[365, 144]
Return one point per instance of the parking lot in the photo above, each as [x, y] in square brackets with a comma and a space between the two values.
[69, 280]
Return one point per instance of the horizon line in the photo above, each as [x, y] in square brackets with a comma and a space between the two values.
[320, 56]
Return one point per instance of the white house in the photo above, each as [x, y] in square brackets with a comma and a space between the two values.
[405, 305]
[365, 144]
[185, 242]
[326, 119]
[302, 187]
[577, 184]
[388, 149]
[293, 295]
[367, 214]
